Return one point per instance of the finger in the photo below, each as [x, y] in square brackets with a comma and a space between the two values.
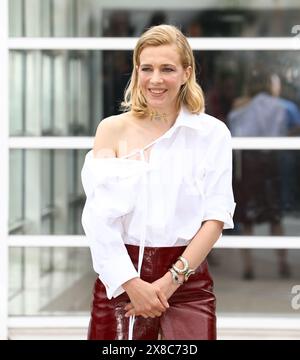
[163, 299]
[130, 313]
[152, 315]
[157, 313]
[159, 306]
[133, 312]
[128, 307]
[144, 315]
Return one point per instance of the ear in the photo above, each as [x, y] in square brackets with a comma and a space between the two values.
[187, 74]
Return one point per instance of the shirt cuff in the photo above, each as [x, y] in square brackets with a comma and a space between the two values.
[221, 209]
[115, 273]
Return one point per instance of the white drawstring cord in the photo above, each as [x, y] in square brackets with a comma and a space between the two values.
[144, 208]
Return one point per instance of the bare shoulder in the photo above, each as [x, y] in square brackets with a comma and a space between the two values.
[107, 135]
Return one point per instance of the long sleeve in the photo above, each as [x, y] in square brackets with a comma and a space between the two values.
[109, 197]
[217, 183]
[110, 258]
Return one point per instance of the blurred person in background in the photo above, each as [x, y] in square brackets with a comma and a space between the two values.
[260, 180]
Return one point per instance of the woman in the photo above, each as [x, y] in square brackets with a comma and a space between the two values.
[159, 193]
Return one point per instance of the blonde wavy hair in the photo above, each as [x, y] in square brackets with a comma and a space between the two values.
[190, 94]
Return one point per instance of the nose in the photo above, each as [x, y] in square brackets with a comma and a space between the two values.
[156, 77]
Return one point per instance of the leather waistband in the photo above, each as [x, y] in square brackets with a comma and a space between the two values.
[157, 260]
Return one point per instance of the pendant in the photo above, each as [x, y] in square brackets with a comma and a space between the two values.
[156, 116]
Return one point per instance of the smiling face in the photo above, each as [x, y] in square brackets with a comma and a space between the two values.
[160, 76]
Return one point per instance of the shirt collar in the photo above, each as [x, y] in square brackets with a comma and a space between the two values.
[188, 119]
[184, 119]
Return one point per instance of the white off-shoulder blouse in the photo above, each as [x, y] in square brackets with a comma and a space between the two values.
[160, 202]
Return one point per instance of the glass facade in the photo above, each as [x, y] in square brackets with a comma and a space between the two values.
[50, 281]
[266, 287]
[93, 18]
[59, 281]
[46, 196]
[265, 184]
[67, 93]
[63, 94]
[53, 93]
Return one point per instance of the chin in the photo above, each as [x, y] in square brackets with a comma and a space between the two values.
[157, 104]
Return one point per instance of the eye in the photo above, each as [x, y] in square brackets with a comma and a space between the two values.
[168, 69]
[145, 69]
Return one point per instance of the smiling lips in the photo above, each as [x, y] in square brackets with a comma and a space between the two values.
[157, 91]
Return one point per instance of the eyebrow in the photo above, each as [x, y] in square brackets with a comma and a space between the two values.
[160, 65]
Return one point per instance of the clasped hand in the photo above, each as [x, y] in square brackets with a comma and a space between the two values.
[149, 299]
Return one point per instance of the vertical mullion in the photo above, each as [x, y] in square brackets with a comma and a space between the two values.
[4, 161]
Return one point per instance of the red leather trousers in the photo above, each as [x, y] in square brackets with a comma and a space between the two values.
[191, 315]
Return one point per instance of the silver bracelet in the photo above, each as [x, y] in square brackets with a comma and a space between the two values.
[186, 271]
[175, 277]
[185, 266]
[188, 274]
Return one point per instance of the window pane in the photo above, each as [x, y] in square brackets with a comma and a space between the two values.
[59, 281]
[46, 191]
[50, 281]
[266, 189]
[265, 287]
[251, 98]
[61, 93]
[104, 18]
[47, 195]
[55, 93]
[16, 190]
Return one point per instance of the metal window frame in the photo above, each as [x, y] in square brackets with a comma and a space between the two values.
[126, 43]
[72, 142]
[6, 143]
[226, 242]
[4, 186]
[229, 326]
[228, 321]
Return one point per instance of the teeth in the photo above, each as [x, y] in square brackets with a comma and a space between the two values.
[157, 91]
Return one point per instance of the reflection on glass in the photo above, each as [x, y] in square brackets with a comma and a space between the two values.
[267, 193]
[251, 98]
[46, 196]
[59, 281]
[50, 281]
[99, 18]
[268, 292]
[53, 93]
[61, 93]
[262, 111]
[16, 190]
